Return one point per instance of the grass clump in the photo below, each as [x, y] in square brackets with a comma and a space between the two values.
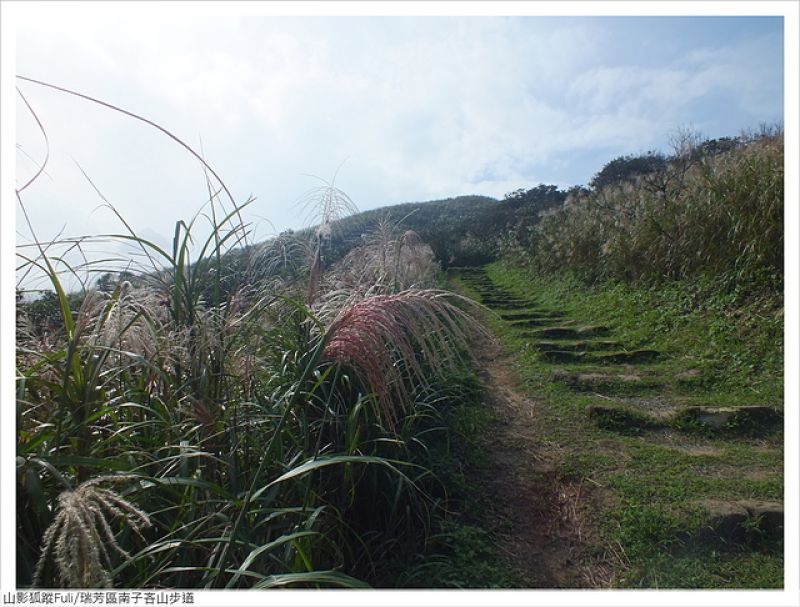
[267, 432]
[718, 216]
[612, 426]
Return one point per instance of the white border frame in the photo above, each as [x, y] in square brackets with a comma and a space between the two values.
[788, 9]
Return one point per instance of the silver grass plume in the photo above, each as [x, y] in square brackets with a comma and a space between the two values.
[79, 538]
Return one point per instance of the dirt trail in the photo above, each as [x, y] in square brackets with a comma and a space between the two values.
[553, 464]
[540, 518]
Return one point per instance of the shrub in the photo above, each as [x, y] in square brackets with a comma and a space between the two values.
[719, 217]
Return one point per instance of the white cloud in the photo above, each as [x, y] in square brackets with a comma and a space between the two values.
[420, 108]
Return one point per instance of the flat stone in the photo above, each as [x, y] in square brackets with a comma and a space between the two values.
[720, 417]
[563, 356]
[531, 322]
[532, 314]
[768, 514]
[515, 316]
[726, 519]
[698, 450]
[595, 410]
[731, 520]
[634, 356]
[578, 346]
[619, 419]
[558, 333]
[589, 378]
[716, 418]
[593, 330]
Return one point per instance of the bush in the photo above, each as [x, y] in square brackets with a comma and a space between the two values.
[719, 216]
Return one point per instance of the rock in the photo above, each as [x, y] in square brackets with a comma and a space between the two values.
[530, 322]
[577, 346]
[558, 333]
[769, 516]
[726, 520]
[602, 377]
[635, 356]
[618, 419]
[562, 356]
[743, 419]
[596, 410]
[517, 316]
[745, 520]
[716, 418]
[593, 331]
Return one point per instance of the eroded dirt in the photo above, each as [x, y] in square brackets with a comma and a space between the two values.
[542, 520]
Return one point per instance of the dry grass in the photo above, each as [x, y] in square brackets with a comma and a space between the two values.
[80, 536]
[394, 342]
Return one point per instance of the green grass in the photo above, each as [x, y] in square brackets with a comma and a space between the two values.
[738, 351]
[461, 551]
[652, 469]
[713, 216]
[263, 442]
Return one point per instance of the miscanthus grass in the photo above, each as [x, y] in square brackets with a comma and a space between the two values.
[393, 341]
[707, 216]
[267, 430]
[80, 536]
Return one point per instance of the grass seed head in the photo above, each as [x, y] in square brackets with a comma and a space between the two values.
[395, 341]
[80, 536]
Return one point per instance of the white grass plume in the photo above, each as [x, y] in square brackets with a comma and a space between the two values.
[80, 536]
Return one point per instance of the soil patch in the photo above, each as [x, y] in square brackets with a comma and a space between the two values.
[540, 519]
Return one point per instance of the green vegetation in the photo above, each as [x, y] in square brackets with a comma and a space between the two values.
[702, 213]
[622, 428]
[189, 425]
[306, 411]
[461, 231]
[318, 454]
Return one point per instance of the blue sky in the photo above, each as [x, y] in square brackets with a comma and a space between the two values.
[417, 108]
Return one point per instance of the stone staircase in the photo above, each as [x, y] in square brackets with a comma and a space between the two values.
[633, 394]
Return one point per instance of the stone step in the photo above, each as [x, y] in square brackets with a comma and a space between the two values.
[495, 301]
[564, 356]
[612, 384]
[482, 290]
[577, 346]
[620, 419]
[532, 315]
[532, 322]
[753, 419]
[629, 358]
[742, 521]
[512, 306]
[572, 332]
[493, 290]
[505, 297]
[616, 358]
[748, 420]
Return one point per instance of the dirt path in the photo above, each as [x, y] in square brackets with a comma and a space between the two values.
[619, 434]
[541, 524]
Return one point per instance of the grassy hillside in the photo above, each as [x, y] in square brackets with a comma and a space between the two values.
[307, 412]
[661, 419]
[709, 213]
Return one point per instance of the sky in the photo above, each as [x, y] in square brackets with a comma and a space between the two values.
[398, 109]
